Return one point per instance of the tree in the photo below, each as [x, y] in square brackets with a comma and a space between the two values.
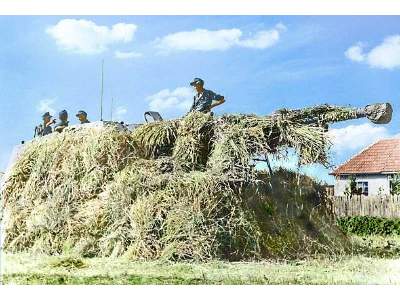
[395, 184]
[351, 189]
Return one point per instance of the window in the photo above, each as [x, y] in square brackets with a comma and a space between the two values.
[362, 187]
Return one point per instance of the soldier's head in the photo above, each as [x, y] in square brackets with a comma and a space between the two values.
[198, 84]
[63, 115]
[46, 117]
[82, 116]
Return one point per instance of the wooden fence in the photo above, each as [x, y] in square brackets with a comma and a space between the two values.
[378, 206]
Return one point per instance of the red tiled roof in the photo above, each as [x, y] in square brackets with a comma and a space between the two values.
[381, 157]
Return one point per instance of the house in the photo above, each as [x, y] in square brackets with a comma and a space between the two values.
[374, 169]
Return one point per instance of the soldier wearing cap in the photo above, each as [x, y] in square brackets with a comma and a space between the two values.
[82, 116]
[60, 126]
[47, 121]
[204, 100]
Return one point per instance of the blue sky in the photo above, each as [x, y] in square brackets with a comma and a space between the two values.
[259, 63]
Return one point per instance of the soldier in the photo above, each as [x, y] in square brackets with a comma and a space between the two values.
[82, 116]
[45, 129]
[204, 100]
[60, 126]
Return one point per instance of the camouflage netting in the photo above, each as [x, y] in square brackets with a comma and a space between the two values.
[182, 189]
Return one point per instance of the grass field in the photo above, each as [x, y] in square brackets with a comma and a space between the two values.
[376, 261]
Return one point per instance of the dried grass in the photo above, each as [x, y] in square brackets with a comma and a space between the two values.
[174, 190]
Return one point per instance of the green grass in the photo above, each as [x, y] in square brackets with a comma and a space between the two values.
[376, 261]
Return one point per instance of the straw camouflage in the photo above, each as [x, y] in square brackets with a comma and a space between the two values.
[177, 190]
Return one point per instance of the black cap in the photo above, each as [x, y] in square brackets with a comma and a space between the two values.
[46, 114]
[63, 113]
[197, 81]
[81, 112]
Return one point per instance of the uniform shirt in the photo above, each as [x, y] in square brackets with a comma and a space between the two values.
[61, 124]
[47, 130]
[85, 122]
[203, 101]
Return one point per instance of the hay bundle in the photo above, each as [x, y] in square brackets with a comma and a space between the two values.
[55, 175]
[183, 216]
[192, 146]
[155, 139]
[174, 190]
[240, 138]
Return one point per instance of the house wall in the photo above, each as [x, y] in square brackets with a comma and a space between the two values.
[375, 182]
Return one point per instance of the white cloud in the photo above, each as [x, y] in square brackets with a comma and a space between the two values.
[46, 105]
[119, 113]
[387, 54]
[127, 55]
[201, 39]
[384, 56]
[223, 39]
[355, 53]
[86, 37]
[355, 137]
[280, 26]
[261, 40]
[171, 101]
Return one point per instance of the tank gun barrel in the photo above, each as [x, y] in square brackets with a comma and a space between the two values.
[378, 113]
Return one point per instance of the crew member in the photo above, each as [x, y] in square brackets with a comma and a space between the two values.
[47, 122]
[60, 126]
[205, 100]
[82, 116]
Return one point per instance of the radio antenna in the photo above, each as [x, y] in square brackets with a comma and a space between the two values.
[102, 90]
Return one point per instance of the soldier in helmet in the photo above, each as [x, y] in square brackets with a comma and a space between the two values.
[60, 126]
[82, 116]
[204, 100]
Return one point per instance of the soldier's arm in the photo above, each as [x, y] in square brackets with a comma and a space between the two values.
[218, 100]
[51, 122]
[59, 128]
